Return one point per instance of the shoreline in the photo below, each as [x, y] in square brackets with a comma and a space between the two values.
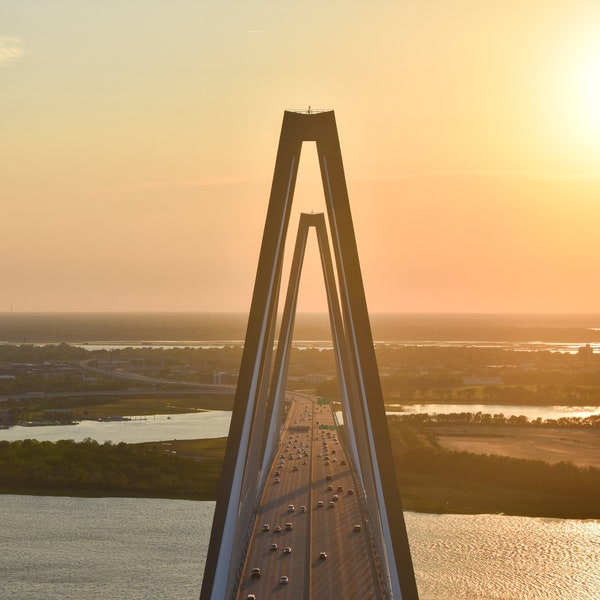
[412, 501]
[423, 492]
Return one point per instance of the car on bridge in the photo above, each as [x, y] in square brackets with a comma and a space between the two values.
[283, 579]
[255, 573]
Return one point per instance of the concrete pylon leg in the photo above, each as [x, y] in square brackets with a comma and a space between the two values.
[259, 396]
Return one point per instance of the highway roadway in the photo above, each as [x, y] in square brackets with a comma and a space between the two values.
[311, 486]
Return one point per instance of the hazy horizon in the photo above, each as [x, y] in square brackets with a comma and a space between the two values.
[138, 146]
[323, 313]
[554, 331]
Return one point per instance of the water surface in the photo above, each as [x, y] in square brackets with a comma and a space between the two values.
[61, 548]
[215, 423]
[190, 426]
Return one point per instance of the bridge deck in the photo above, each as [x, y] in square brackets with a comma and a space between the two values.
[310, 453]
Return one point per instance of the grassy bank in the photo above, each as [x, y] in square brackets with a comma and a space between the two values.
[169, 405]
[443, 495]
[434, 479]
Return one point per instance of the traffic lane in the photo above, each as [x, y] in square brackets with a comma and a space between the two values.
[349, 570]
[293, 489]
[347, 553]
[274, 564]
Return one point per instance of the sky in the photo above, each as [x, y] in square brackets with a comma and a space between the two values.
[138, 141]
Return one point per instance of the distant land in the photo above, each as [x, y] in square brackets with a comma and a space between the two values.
[17, 328]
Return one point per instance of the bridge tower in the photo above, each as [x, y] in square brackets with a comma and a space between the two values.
[261, 385]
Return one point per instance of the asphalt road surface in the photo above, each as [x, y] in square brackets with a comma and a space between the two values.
[311, 468]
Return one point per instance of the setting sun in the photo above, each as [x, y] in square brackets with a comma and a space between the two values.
[579, 97]
[137, 151]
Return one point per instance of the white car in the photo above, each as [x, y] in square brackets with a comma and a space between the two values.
[287, 550]
[291, 508]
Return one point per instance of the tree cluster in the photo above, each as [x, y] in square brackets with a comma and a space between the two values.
[122, 469]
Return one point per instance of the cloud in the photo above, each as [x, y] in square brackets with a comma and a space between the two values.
[11, 49]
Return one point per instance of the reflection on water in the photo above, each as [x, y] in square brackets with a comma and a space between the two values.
[480, 557]
[531, 412]
[133, 549]
[207, 424]
[517, 346]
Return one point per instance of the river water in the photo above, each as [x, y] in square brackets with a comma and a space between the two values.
[508, 410]
[61, 548]
[133, 549]
[155, 428]
[215, 423]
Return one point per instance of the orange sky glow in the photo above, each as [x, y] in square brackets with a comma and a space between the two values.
[138, 143]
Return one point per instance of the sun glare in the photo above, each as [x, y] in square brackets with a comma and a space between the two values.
[581, 96]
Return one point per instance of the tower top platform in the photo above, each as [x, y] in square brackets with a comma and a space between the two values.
[309, 110]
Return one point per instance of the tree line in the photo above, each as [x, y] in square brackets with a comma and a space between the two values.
[499, 419]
